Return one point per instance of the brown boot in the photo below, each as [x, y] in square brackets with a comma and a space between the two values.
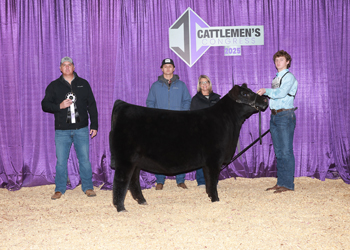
[56, 196]
[273, 188]
[282, 189]
[182, 185]
[90, 193]
[159, 186]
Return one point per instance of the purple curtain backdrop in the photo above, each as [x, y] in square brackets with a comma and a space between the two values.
[118, 47]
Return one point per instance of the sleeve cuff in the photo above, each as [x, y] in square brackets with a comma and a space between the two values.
[268, 92]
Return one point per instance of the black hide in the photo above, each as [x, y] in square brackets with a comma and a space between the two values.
[172, 142]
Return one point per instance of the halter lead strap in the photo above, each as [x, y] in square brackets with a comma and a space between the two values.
[260, 127]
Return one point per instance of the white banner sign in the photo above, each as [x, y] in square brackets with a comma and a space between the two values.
[228, 36]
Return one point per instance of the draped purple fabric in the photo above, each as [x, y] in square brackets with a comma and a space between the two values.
[118, 47]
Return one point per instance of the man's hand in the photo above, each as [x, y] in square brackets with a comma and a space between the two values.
[261, 91]
[65, 104]
[93, 133]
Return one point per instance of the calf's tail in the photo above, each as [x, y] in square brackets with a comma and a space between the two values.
[117, 105]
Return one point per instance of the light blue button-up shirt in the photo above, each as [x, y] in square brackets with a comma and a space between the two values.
[279, 98]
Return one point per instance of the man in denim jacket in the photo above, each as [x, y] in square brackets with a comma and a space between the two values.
[172, 94]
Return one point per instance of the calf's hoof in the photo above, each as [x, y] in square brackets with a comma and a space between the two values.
[141, 201]
[120, 209]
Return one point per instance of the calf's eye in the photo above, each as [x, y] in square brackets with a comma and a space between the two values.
[245, 94]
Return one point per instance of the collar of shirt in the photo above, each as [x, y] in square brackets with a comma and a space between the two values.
[281, 73]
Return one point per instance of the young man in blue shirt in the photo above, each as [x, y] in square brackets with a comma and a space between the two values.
[282, 123]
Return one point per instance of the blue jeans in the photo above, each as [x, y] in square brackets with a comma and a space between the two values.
[200, 177]
[282, 126]
[180, 178]
[63, 141]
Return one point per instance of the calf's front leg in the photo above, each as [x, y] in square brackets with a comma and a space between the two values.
[211, 180]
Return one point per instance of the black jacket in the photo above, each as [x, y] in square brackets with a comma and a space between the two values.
[56, 92]
[199, 101]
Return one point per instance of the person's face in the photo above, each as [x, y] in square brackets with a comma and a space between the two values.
[168, 69]
[281, 63]
[204, 84]
[67, 68]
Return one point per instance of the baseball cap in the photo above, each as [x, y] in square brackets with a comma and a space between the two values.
[66, 59]
[167, 61]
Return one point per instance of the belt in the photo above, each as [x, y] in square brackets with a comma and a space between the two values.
[275, 112]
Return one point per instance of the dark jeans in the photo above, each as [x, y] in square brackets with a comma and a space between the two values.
[282, 126]
[200, 177]
[180, 178]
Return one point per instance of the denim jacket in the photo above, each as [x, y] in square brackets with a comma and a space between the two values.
[174, 96]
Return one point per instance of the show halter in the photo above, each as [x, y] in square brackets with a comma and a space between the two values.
[251, 144]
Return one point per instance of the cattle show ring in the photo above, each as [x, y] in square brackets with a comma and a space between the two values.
[182, 124]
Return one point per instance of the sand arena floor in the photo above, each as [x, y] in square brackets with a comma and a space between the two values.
[315, 216]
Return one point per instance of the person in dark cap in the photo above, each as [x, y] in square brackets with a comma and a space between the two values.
[71, 100]
[172, 94]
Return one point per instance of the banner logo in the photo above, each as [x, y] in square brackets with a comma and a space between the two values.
[190, 37]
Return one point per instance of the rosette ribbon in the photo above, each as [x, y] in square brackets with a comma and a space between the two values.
[72, 112]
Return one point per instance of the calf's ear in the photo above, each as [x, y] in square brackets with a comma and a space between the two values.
[244, 85]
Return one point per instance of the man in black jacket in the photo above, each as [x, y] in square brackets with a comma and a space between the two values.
[70, 99]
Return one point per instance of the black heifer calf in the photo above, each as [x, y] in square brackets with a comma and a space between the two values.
[173, 142]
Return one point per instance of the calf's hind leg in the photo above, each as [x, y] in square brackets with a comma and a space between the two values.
[121, 182]
[135, 188]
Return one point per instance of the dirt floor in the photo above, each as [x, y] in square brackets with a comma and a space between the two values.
[315, 216]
